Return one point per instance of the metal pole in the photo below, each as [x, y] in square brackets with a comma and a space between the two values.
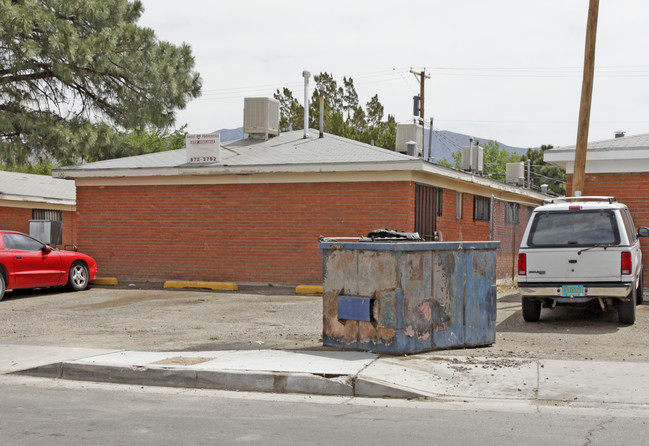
[430, 141]
[321, 114]
[514, 253]
[307, 75]
[471, 154]
[491, 219]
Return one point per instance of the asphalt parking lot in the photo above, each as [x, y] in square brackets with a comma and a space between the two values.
[147, 317]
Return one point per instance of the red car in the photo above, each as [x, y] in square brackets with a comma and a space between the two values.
[28, 263]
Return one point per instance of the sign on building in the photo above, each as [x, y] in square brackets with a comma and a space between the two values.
[203, 148]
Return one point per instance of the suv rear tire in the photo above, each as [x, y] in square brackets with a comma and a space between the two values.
[531, 310]
[626, 309]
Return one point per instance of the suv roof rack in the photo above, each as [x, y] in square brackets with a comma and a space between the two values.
[610, 200]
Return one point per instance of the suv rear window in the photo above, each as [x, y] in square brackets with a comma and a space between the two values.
[574, 228]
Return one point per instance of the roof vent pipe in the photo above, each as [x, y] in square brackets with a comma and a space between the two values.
[307, 75]
[471, 166]
[428, 154]
[321, 114]
[411, 148]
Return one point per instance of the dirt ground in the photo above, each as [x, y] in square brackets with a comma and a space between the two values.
[147, 317]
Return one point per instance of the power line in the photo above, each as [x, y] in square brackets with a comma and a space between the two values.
[359, 79]
[606, 71]
[556, 180]
[445, 141]
[397, 74]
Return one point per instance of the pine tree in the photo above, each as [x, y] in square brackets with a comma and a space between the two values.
[544, 173]
[343, 114]
[77, 74]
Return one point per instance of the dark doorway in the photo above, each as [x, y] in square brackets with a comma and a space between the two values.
[428, 205]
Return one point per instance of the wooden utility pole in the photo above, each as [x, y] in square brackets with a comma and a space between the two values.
[422, 77]
[579, 174]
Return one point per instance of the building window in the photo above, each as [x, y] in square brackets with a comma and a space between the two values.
[512, 213]
[481, 208]
[47, 214]
[458, 205]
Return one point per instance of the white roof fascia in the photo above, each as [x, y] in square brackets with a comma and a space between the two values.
[609, 153]
[482, 181]
[387, 166]
[602, 160]
[248, 169]
[31, 199]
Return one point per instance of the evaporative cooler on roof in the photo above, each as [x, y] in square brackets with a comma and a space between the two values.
[261, 116]
[407, 132]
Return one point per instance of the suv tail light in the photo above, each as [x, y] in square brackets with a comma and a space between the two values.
[522, 264]
[626, 263]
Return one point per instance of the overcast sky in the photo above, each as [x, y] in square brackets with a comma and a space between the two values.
[508, 70]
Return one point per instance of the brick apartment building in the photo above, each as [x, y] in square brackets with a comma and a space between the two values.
[25, 197]
[616, 167]
[256, 215]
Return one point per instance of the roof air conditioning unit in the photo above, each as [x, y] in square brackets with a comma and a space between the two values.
[261, 116]
[409, 132]
[513, 172]
[475, 165]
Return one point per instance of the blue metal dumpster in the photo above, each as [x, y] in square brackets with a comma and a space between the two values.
[408, 296]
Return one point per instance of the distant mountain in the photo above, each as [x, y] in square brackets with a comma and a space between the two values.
[444, 142]
[230, 134]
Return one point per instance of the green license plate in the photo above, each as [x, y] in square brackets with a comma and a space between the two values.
[573, 290]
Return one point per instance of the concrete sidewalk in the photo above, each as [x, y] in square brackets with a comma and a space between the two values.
[430, 375]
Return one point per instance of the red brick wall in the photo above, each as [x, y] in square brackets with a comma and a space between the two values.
[17, 219]
[236, 232]
[632, 189]
[464, 229]
[510, 237]
[69, 228]
[467, 229]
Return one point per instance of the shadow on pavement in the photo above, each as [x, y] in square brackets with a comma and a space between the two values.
[567, 320]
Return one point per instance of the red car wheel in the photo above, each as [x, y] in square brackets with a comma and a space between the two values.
[78, 276]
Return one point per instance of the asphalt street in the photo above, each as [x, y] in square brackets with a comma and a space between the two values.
[38, 411]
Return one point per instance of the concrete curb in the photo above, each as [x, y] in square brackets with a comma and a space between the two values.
[229, 286]
[309, 289]
[105, 281]
[347, 374]
[369, 388]
[245, 381]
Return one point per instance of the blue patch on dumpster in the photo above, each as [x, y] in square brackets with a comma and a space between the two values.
[354, 308]
[389, 305]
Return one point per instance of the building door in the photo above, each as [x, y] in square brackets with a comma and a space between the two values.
[428, 204]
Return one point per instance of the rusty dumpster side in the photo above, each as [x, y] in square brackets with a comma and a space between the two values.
[409, 297]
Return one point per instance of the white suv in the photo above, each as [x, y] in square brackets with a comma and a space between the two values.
[578, 250]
